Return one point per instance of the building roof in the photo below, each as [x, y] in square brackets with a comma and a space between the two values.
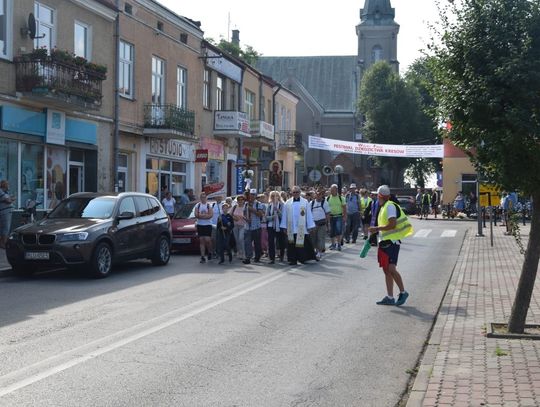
[331, 80]
[377, 12]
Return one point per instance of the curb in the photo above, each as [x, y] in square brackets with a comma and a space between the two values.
[426, 361]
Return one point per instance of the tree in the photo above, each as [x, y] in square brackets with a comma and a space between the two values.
[249, 55]
[420, 76]
[393, 114]
[487, 74]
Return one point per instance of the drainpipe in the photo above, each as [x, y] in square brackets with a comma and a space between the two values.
[240, 144]
[276, 144]
[116, 130]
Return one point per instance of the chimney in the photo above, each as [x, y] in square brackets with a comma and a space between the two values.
[236, 37]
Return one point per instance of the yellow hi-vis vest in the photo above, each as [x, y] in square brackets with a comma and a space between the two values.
[403, 227]
[364, 203]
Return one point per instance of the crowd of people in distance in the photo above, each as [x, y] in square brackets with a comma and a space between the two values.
[293, 228]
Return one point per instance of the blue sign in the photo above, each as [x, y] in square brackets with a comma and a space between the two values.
[239, 178]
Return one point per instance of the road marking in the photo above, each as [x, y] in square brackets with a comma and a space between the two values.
[423, 233]
[449, 233]
[41, 370]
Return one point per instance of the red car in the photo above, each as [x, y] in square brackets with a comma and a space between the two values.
[184, 230]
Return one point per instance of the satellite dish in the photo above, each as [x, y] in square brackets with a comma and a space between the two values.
[32, 27]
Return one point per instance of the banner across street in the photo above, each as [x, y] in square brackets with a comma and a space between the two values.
[384, 150]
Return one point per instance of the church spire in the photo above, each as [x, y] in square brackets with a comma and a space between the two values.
[377, 11]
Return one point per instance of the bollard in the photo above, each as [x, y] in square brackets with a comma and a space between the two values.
[484, 215]
[523, 212]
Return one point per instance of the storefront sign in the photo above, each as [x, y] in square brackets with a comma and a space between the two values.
[201, 156]
[224, 66]
[216, 189]
[383, 150]
[262, 129]
[56, 127]
[232, 121]
[171, 148]
[239, 177]
[216, 150]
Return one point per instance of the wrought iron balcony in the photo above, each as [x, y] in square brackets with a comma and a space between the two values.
[62, 83]
[289, 140]
[168, 120]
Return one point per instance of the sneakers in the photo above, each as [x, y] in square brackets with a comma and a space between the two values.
[332, 246]
[339, 247]
[246, 261]
[203, 260]
[402, 297]
[386, 301]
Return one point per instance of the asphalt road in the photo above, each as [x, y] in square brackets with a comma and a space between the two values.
[234, 335]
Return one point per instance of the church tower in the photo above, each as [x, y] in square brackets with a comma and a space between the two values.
[377, 34]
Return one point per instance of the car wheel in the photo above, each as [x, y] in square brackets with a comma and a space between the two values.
[22, 271]
[101, 264]
[162, 252]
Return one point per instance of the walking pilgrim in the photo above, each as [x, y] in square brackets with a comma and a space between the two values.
[297, 220]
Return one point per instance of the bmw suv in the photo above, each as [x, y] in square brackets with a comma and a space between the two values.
[93, 230]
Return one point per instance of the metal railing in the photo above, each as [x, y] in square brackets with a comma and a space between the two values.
[289, 140]
[170, 117]
[69, 83]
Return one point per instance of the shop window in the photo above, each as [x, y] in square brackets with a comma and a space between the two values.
[9, 166]
[56, 175]
[178, 166]
[32, 172]
[6, 28]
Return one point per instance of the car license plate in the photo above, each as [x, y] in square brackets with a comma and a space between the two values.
[182, 240]
[36, 256]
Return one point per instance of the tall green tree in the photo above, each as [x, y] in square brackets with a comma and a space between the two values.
[420, 76]
[393, 115]
[488, 85]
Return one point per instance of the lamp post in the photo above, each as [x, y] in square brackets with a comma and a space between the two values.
[338, 169]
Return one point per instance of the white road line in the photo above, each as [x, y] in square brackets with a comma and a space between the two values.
[422, 233]
[449, 233]
[16, 380]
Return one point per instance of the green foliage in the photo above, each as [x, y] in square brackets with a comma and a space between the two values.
[248, 54]
[487, 73]
[419, 170]
[393, 113]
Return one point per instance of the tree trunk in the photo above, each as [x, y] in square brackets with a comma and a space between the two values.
[516, 324]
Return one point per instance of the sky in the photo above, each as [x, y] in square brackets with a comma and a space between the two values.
[306, 27]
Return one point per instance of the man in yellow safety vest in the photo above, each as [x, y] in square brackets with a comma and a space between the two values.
[393, 225]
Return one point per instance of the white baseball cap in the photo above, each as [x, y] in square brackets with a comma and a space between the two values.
[383, 190]
[253, 191]
[352, 186]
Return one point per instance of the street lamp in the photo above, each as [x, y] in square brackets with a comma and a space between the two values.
[338, 169]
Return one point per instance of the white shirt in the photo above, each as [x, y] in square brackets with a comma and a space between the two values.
[319, 209]
[168, 204]
[296, 208]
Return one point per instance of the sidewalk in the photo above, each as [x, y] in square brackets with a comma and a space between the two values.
[461, 366]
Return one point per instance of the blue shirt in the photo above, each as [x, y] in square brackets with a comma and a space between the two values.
[374, 210]
[353, 203]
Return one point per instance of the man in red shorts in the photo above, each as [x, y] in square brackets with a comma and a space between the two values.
[393, 225]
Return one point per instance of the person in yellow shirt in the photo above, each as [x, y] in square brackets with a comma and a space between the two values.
[393, 225]
[338, 216]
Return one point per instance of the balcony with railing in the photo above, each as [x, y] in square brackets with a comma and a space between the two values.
[169, 121]
[58, 83]
[290, 140]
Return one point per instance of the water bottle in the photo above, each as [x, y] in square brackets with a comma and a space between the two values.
[365, 248]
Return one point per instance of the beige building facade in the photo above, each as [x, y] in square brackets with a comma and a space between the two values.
[56, 87]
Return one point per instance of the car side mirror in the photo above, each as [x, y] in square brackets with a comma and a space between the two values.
[126, 215]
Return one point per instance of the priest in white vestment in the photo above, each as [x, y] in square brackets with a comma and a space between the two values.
[297, 220]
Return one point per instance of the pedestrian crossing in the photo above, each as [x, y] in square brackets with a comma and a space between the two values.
[424, 233]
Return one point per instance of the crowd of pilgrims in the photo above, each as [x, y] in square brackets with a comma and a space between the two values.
[278, 226]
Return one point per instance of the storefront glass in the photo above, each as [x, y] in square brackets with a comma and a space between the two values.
[9, 164]
[56, 175]
[161, 173]
[32, 173]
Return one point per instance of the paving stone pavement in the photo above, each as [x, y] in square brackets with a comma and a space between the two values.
[460, 366]
[4, 265]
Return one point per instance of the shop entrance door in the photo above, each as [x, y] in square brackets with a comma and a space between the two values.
[76, 178]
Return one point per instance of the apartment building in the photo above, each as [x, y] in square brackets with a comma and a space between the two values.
[55, 97]
[160, 99]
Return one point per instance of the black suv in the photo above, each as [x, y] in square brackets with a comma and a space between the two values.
[95, 230]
